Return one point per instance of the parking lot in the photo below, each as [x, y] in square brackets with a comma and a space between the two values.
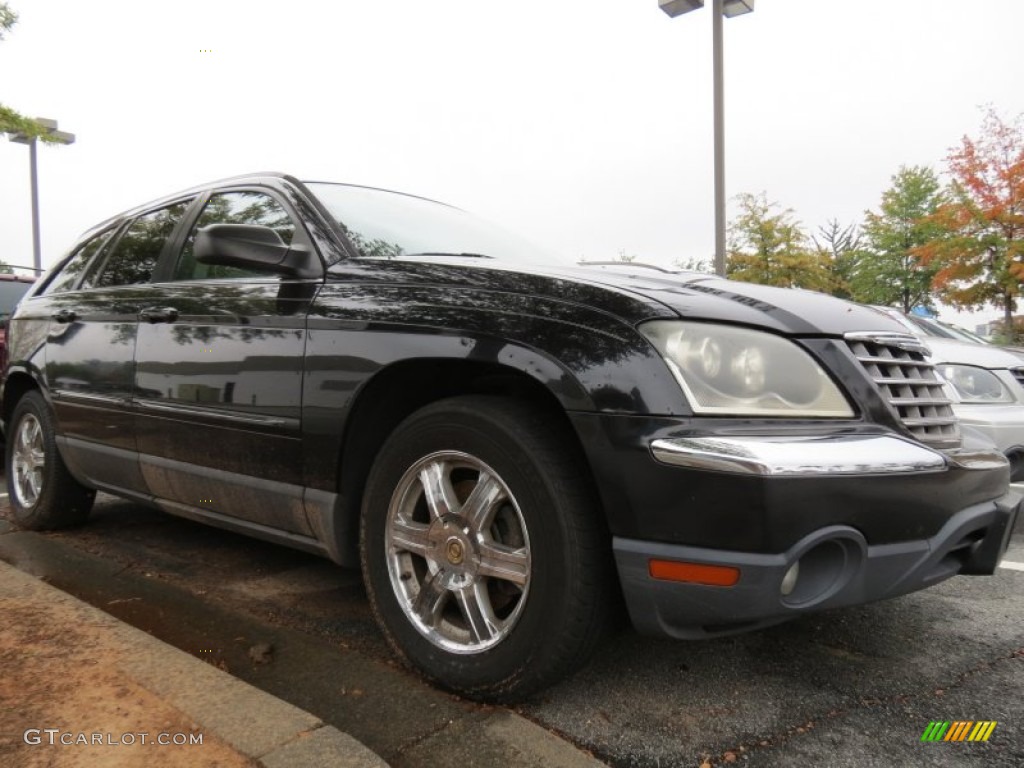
[844, 688]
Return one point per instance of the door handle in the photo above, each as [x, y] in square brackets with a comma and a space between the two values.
[159, 314]
[65, 316]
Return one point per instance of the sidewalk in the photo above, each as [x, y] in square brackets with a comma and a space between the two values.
[80, 688]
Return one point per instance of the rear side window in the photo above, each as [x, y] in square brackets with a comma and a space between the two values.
[137, 251]
[67, 277]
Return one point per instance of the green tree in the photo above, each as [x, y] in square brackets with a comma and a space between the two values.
[8, 18]
[839, 249]
[979, 256]
[11, 121]
[767, 245]
[889, 270]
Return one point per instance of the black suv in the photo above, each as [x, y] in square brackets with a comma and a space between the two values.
[504, 443]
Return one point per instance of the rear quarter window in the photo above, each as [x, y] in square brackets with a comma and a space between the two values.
[67, 277]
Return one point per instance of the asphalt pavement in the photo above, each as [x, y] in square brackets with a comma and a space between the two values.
[850, 687]
[264, 691]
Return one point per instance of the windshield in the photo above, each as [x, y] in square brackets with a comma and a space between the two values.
[931, 327]
[392, 225]
[965, 335]
[945, 330]
[923, 325]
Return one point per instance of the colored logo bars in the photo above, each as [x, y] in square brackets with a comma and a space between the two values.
[959, 730]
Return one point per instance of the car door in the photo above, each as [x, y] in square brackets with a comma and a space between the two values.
[218, 378]
[90, 346]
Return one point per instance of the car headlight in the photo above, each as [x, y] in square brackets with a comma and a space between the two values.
[741, 372]
[975, 385]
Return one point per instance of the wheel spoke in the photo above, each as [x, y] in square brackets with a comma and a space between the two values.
[410, 537]
[29, 460]
[476, 610]
[431, 599]
[24, 439]
[35, 483]
[22, 479]
[479, 507]
[437, 488]
[506, 563]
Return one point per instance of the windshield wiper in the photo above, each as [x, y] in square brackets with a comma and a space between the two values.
[463, 255]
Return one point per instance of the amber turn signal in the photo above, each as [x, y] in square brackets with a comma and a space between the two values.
[694, 573]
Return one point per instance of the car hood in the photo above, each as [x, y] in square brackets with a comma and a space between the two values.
[636, 292]
[700, 296]
[967, 353]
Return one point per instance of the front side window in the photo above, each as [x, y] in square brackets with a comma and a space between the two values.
[233, 208]
[135, 256]
[75, 266]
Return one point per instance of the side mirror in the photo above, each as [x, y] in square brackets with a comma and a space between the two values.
[250, 246]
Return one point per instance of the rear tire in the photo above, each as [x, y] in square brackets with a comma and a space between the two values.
[42, 493]
[483, 548]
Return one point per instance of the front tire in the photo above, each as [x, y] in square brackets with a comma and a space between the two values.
[42, 493]
[483, 551]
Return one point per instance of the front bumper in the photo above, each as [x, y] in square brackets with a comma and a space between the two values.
[837, 563]
[1001, 424]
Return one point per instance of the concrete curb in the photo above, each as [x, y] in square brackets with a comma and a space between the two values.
[258, 725]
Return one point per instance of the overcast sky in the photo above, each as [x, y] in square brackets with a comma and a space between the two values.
[584, 126]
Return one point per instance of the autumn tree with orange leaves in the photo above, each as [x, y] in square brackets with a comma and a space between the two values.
[980, 256]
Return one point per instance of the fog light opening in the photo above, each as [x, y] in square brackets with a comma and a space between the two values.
[825, 569]
[1016, 458]
[789, 580]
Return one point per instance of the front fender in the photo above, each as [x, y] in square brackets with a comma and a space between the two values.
[588, 359]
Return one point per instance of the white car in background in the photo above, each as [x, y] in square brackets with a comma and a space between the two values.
[985, 383]
[943, 330]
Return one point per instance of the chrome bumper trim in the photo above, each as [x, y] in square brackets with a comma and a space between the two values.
[813, 455]
[979, 460]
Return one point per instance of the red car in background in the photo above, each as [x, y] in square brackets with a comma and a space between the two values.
[12, 288]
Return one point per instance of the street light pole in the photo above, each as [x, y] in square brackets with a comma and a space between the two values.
[719, 99]
[37, 259]
[60, 137]
[720, 8]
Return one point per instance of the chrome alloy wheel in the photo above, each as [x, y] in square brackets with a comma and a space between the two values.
[458, 552]
[28, 461]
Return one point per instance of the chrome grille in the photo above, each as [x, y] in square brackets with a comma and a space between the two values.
[906, 379]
